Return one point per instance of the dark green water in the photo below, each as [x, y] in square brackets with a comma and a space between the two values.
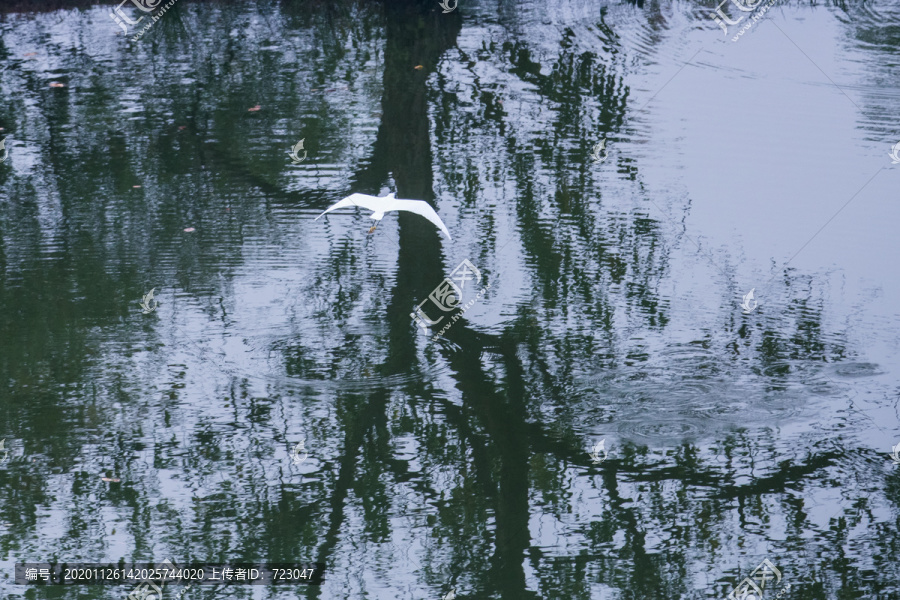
[612, 308]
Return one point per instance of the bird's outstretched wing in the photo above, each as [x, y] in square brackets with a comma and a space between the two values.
[421, 208]
[389, 203]
[373, 203]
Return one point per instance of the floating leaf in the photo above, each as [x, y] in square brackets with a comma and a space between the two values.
[254, 109]
[111, 479]
[189, 229]
[57, 84]
[418, 67]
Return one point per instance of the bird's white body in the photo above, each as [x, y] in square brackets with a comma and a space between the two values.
[388, 203]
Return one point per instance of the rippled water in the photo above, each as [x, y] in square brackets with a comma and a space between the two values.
[613, 310]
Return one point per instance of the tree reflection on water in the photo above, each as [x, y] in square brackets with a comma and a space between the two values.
[462, 463]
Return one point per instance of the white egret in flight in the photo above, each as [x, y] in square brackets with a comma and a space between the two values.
[379, 206]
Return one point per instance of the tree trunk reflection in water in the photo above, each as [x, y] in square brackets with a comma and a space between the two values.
[403, 150]
[415, 35]
[418, 35]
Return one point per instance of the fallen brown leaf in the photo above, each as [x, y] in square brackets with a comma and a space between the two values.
[254, 109]
[57, 84]
[417, 67]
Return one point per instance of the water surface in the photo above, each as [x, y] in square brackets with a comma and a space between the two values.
[613, 310]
